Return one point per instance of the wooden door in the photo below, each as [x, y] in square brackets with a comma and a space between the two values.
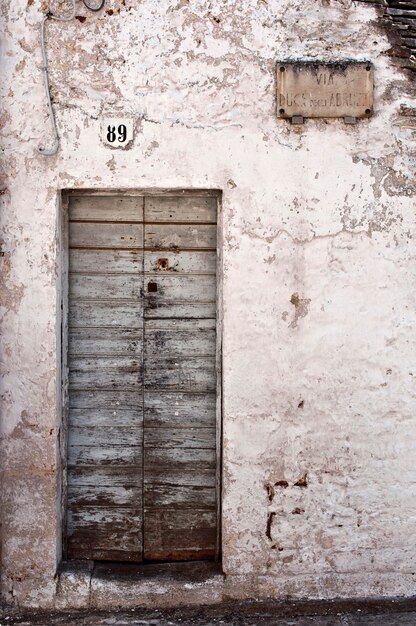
[142, 458]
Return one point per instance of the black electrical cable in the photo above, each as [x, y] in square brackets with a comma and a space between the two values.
[95, 9]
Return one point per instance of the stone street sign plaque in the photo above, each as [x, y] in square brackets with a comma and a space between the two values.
[316, 89]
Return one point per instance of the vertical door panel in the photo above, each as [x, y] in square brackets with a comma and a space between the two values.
[105, 358]
[180, 496]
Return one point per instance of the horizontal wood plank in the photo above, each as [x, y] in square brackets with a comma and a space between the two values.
[190, 325]
[180, 209]
[180, 342]
[109, 341]
[179, 410]
[179, 477]
[105, 399]
[179, 496]
[186, 261]
[159, 309]
[85, 517]
[105, 313]
[195, 374]
[120, 418]
[105, 453]
[104, 486]
[106, 208]
[178, 236]
[105, 286]
[183, 555]
[86, 476]
[105, 536]
[77, 550]
[98, 435]
[105, 235]
[185, 438]
[181, 288]
[92, 529]
[177, 458]
[103, 495]
[106, 261]
[98, 371]
[179, 535]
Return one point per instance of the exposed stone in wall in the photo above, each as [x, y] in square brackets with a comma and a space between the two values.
[318, 276]
[399, 19]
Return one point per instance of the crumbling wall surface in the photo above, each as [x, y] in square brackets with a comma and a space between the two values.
[318, 276]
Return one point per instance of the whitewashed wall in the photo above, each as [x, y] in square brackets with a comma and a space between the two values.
[319, 276]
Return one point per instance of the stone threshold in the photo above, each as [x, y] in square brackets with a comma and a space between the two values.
[92, 584]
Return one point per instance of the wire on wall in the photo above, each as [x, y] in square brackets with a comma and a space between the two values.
[60, 18]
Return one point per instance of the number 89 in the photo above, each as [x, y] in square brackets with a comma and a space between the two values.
[121, 131]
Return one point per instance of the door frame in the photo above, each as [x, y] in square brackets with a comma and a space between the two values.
[62, 338]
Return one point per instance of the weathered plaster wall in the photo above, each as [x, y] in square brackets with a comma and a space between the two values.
[319, 274]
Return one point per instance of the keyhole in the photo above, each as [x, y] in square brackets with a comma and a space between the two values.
[151, 287]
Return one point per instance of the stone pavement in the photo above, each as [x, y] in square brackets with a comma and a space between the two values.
[247, 613]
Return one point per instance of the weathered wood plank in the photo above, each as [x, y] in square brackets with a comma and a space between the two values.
[103, 495]
[180, 342]
[104, 454]
[98, 536]
[180, 209]
[96, 372]
[159, 309]
[176, 535]
[97, 435]
[105, 235]
[86, 516]
[100, 341]
[105, 313]
[178, 555]
[105, 286]
[179, 497]
[108, 477]
[103, 399]
[92, 529]
[188, 262]
[175, 458]
[183, 374]
[190, 325]
[87, 551]
[178, 236]
[186, 438]
[181, 288]
[179, 410]
[106, 209]
[106, 260]
[104, 486]
[92, 418]
[178, 478]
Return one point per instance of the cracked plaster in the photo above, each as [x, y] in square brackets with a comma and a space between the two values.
[324, 211]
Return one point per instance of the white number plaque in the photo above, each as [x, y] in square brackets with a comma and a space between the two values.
[117, 132]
